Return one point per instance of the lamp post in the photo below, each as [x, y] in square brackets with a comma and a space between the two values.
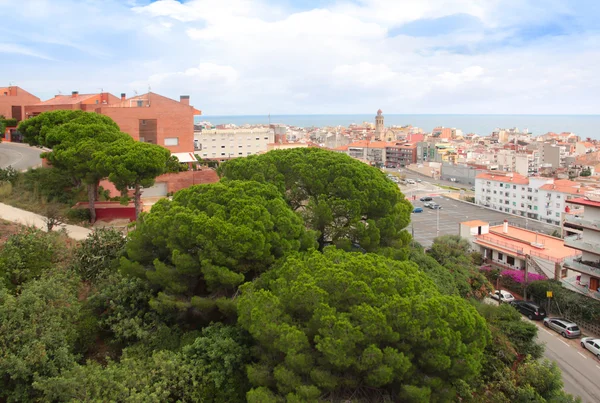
[498, 281]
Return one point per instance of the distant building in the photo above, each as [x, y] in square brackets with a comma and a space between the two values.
[223, 144]
[537, 198]
[13, 101]
[400, 155]
[379, 126]
[75, 101]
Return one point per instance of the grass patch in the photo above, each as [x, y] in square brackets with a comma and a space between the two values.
[449, 187]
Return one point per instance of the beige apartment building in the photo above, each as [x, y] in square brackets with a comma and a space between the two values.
[223, 144]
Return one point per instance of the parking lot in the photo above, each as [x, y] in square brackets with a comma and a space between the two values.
[425, 225]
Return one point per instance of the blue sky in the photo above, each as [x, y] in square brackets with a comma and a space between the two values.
[246, 57]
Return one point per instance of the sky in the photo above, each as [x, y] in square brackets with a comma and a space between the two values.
[254, 57]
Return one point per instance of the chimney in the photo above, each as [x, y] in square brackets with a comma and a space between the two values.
[74, 94]
[184, 99]
[123, 96]
[12, 91]
[505, 227]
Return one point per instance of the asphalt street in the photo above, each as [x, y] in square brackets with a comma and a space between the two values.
[580, 369]
[427, 225]
[19, 156]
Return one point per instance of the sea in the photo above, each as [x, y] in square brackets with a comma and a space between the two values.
[582, 125]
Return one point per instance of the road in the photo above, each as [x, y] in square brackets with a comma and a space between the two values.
[415, 175]
[19, 156]
[580, 369]
[425, 227]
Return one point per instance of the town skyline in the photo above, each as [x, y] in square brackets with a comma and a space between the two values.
[256, 57]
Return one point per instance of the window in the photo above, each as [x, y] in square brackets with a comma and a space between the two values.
[523, 205]
[266, 138]
[140, 103]
[214, 139]
[515, 187]
[249, 153]
[205, 155]
[172, 141]
[558, 214]
[240, 146]
[240, 153]
[510, 260]
[222, 153]
[249, 145]
[535, 208]
[558, 196]
[529, 189]
[222, 146]
[500, 256]
[258, 138]
[514, 203]
[501, 185]
[557, 205]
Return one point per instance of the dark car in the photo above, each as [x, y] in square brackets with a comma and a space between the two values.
[530, 309]
[426, 198]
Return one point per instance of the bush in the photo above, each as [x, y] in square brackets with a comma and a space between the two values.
[99, 253]
[5, 189]
[79, 215]
[572, 304]
[9, 174]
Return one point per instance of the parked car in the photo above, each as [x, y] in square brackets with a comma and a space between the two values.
[426, 199]
[427, 204]
[589, 343]
[452, 179]
[502, 296]
[565, 327]
[417, 210]
[410, 181]
[418, 180]
[530, 309]
[434, 206]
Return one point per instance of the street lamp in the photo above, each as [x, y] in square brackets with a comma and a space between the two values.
[498, 281]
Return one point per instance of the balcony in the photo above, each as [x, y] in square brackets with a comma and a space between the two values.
[585, 267]
[582, 222]
[575, 241]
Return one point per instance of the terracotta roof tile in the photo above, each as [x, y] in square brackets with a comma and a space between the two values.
[515, 178]
[67, 99]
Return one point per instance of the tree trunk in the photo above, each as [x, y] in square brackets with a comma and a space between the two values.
[91, 190]
[137, 197]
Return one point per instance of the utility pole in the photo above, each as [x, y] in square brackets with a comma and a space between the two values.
[527, 259]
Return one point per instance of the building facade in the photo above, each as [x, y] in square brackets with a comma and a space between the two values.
[584, 270]
[535, 197]
[400, 155]
[13, 101]
[223, 144]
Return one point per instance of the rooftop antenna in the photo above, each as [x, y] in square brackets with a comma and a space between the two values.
[101, 90]
[59, 92]
[149, 88]
[135, 92]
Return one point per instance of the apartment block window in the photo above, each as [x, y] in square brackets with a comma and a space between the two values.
[249, 153]
[515, 187]
[172, 141]
[558, 214]
[558, 196]
[249, 145]
[501, 185]
[240, 146]
[240, 153]
[523, 205]
[266, 138]
[523, 188]
[258, 138]
[222, 146]
[500, 256]
[529, 189]
[506, 202]
[214, 139]
[557, 205]
[514, 203]
[205, 155]
[143, 122]
[222, 153]
[535, 207]
[140, 103]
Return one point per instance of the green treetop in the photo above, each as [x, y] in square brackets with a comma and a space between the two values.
[341, 324]
[342, 198]
[208, 240]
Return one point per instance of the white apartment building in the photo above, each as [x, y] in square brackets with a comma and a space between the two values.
[232, 143]
[537, 198]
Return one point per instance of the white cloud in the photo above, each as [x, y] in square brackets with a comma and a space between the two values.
[246, 57]
[22, 50]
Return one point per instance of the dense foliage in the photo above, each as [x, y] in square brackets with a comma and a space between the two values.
[199, 247]
[247, 291]
[566, 302]
[453, 252]
[338, 196]
[335, 323]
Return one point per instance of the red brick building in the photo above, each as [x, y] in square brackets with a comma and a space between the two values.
[155, 119]
[13, 101]
[150, 117]
[75, 101]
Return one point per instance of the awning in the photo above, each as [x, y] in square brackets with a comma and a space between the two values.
[185, 157]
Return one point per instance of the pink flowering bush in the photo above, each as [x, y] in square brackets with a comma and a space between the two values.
[518, 276]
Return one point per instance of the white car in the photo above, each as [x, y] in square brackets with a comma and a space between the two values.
[589, 343]
[410, 181]
[502, 296]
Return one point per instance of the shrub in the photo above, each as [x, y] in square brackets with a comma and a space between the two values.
[99, 253]
[572, 304]
[79, 214]
[9, 174]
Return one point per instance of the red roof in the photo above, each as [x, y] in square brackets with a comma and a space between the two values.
[582, 201]
[515, 178]
[67, 99]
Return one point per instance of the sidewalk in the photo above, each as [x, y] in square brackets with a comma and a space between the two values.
[24, 217]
